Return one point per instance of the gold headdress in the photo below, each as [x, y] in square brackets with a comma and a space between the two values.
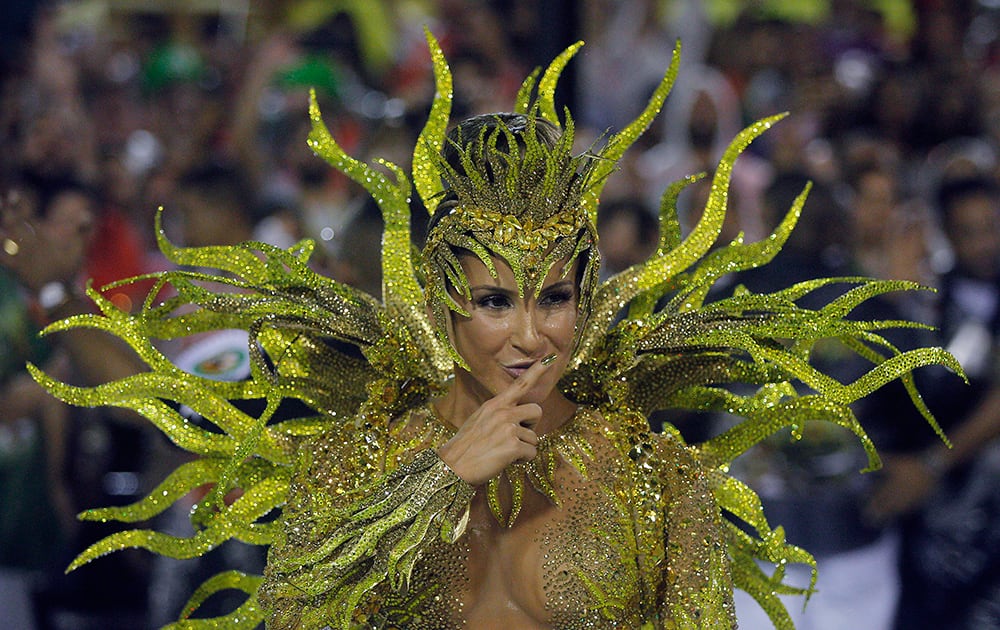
[531, 207]
[513, 195]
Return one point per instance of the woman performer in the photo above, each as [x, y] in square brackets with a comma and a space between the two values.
[480, 455]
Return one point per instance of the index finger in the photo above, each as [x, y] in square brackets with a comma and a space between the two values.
[526, 381]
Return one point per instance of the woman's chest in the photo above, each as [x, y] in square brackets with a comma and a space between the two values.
[570, 564]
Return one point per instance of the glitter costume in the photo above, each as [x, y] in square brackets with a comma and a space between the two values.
[636, 529]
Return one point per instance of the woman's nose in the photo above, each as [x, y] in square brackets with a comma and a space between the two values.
[525, 334]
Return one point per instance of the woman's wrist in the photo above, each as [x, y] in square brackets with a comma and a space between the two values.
[444, 453]
[451, 471]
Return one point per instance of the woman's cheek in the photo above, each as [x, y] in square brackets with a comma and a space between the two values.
[560, 327]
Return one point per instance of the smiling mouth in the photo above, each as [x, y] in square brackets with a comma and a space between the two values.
[517, 369]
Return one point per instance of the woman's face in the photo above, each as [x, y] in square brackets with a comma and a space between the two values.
[505, 334]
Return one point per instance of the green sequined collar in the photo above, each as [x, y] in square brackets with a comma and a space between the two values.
[567, 443]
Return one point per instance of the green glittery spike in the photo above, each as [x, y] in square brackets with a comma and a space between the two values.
[866, 352]
[772, 547]
[431, 140]
[179, 483]
[240, 310]
[670, 237]
[550, 79]
[670, 225]
[576, 454]
[390, 196]
[749, 577]
[402, 568]
[354, 596]
[516, 501]
[515, 480]
[402, 293]
[252, 441]
[243, 262]
[247, 615]
[392, 199]
[540, 473]
[511, 164]
[616, 292]
[762, 586]
[373, 534]
[736, 258]
[474, 163]
[739, 499]
[523, 100]
[867, 289]
[403, 557]
[233, 522]
[172, 424]
[234, 260]
[118, 323]
[766, 420]
[621, 141]
[493, 499]
[889, 370]
[137, 390]
[457, 279]
[605, 603]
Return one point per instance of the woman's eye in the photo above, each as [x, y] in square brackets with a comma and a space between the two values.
[493, 301]
[556, 298]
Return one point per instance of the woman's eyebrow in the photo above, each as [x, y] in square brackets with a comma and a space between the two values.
[490, 287]
[498, 289]
[559, 285]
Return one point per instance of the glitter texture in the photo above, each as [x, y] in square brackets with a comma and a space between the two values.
[626, 526]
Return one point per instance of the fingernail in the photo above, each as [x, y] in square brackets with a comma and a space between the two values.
[549, 359]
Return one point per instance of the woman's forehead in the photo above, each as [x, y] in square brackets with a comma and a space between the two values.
[478, 274]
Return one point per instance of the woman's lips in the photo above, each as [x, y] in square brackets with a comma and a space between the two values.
[517, 370]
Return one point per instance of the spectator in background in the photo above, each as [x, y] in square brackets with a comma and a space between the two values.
[810, 484]
[37, 515]
[46, 235]
[948, 501]
[890, 234]
[214, 205]
[45, 228]
[629, 234]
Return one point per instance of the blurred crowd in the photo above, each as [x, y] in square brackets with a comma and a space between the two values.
[112, 109]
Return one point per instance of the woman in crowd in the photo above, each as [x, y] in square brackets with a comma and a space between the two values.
[479, 453]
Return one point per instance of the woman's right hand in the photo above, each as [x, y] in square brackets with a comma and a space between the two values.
[497, 434]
